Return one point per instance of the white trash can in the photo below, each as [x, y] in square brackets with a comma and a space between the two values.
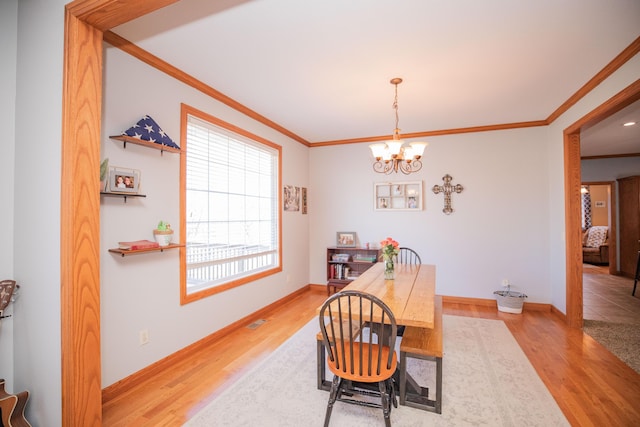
[510, 302]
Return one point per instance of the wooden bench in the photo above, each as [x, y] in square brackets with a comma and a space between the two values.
[426, 344]
[323, 383]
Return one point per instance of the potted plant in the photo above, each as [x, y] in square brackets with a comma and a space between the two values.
[163, 233]
[104, 166]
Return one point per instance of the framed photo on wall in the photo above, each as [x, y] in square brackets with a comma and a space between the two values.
[123, 180]
[291, 198]
[398, 196]
[304, 200]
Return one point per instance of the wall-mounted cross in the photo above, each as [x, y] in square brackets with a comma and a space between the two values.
[447, 189]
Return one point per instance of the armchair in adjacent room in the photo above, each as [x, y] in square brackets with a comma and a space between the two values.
[595, 245]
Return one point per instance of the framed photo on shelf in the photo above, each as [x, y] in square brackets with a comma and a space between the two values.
[123, 180]
[346, 239]
[398, 196]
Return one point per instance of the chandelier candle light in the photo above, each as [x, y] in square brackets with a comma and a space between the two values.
[394, 155]
[389, 252]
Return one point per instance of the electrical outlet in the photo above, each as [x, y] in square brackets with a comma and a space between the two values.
[505, 282]
[144, 336]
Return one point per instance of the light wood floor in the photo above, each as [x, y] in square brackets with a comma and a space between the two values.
[607, 297]
[591, 386]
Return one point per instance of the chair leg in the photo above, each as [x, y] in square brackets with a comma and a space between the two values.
[333, 394]
[635, 282]
[386, 403]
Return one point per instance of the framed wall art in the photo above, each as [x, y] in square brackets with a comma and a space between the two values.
[398, 196]
[291, 198]
[304, 200]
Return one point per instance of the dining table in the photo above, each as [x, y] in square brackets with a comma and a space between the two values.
[410, 296]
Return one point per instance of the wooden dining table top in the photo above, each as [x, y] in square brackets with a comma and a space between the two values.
[410, 296]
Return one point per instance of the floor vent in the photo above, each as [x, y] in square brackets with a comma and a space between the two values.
[256, 324]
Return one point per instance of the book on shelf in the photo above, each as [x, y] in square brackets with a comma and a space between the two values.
[138, 244]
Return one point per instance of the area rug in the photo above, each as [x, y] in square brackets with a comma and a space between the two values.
[487, 381]
[621, 339]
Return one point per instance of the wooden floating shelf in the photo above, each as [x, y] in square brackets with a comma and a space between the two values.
[132, 140]
[125, 252]
[124, 195]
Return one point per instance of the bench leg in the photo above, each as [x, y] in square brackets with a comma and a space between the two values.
[412, 394]
[323, 384]
[403, 378]
[439, 385]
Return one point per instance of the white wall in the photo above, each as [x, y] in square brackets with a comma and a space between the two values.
[609, 169]
[497, 230]
[142, 292]
[8, 35]
[37, 357]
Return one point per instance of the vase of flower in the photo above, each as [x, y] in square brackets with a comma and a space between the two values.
[389, 271]
[389, 252]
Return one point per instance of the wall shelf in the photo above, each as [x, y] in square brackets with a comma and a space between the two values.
[162, 148]
[124, 195]
[125, 252]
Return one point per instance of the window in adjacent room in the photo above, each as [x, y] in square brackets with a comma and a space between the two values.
[231, 219]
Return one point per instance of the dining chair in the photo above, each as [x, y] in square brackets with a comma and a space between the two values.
[408, 256]
[359, 359]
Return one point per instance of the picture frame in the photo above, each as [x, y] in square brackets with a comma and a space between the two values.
[291, 198]
[304, 200]
[346, 239]
[398, 196]
[123, 180]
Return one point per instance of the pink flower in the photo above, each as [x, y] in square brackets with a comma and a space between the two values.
[389, 247]
[389, 241]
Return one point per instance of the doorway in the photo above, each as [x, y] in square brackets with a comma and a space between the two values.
[603, 213]
[573, 202]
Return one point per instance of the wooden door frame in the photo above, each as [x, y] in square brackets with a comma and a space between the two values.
[573, 202]
[85, 22]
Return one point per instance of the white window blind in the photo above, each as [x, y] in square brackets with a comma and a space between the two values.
[231, 206]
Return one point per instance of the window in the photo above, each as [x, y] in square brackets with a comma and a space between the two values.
[231, 219]
[586, 206]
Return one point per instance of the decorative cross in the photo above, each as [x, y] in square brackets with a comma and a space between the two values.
[447, 189]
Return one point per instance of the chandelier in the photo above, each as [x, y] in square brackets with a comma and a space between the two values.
[394, 155]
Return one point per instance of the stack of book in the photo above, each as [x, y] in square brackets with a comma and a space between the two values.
[138, 244]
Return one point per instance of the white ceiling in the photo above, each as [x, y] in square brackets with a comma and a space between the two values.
[321, 68]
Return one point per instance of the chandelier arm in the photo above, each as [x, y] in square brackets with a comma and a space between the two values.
[410, 167]
[382, 167]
